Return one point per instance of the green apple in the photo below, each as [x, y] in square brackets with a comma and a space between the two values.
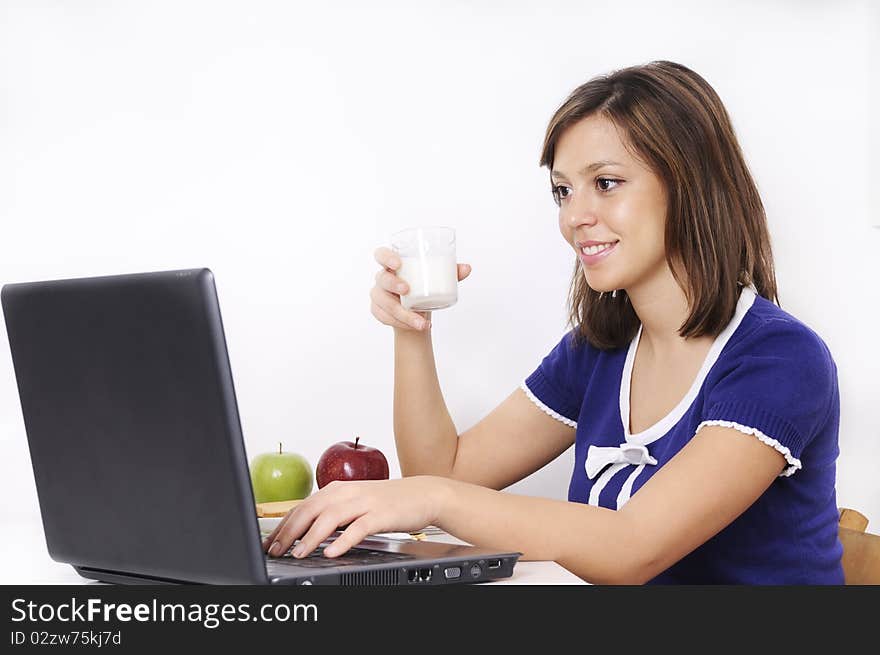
[280, 476]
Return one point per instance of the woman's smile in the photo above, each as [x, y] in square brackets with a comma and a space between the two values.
[593, 254]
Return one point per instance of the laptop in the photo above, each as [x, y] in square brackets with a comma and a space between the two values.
[136, 445]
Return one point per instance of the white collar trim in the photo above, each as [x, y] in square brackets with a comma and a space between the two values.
[661, 427]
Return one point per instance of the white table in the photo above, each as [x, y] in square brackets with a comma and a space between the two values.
[25, 560]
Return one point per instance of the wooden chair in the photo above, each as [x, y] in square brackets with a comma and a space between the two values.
[861, 550]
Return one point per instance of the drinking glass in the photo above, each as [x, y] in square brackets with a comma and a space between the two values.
[428, 266]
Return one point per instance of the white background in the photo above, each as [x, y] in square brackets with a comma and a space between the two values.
[279, 143]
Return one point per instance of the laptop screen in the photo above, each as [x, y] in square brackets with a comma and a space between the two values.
[130, 413]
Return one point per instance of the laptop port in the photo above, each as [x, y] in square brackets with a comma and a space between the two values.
[412, 575]
[494, 563]
[424, 575]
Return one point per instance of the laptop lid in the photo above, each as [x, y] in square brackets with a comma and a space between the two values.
[133, 428]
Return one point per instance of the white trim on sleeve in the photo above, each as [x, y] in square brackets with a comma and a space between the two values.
[545, 409]
[793, 462]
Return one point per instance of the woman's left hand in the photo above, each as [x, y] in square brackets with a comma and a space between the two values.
[365, 506]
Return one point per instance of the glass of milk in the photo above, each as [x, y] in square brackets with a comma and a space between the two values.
[428, 266]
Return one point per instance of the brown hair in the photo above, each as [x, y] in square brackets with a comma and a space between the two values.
[715, 222]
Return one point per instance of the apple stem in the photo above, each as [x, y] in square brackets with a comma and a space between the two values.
[356, 439]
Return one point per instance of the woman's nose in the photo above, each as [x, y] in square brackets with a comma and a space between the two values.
[580, 210]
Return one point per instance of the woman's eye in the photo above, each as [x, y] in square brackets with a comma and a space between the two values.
[560, 193]
[605, 180]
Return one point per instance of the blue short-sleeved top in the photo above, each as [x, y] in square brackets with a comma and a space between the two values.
[768, 376]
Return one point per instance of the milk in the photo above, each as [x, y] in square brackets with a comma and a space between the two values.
[432, 280]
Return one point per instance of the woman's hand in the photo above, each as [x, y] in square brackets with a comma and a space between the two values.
[385, 295]
[365, 506]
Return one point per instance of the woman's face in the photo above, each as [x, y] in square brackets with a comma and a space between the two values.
[608, 197]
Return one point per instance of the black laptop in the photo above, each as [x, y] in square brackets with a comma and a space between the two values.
[136, 445]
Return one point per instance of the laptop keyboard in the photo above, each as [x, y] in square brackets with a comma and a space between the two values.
[316, 558]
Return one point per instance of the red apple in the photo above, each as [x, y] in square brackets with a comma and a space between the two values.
[351, 461]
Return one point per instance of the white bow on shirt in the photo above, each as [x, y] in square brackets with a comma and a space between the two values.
[599, 457]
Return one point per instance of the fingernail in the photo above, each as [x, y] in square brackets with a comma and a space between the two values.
[298, 551]
[275, 549]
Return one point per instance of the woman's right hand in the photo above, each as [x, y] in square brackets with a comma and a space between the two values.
[385, 295]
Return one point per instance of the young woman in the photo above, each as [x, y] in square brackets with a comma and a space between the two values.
[704, 417]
